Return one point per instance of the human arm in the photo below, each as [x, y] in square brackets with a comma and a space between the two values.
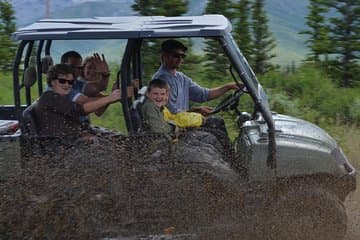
[219, 91]
[82, 99]
[203, 110]
[100, 111]
[92, 106]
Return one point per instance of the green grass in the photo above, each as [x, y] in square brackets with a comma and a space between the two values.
[6, 92]
[348, 137]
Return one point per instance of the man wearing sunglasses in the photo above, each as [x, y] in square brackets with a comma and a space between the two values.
[182, 88]
[57, 115]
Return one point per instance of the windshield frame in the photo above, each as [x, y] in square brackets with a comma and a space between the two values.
[255, 90]
[248, 77]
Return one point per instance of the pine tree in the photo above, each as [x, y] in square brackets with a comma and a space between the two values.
[151, 49]
[242, 28]
[7, 27]
[217, 63]
[345, 33]
[319, 41]
[263, 41]
[160, 7]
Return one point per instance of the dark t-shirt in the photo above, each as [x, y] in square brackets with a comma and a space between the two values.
[58, 115]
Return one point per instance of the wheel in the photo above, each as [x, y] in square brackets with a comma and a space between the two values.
[308, 214]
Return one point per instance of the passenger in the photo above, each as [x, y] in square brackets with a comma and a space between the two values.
[96, 74]
[57, 115]
[92, 77]
[157, 118]
[74, 60]
[77, 93]
[182, 88]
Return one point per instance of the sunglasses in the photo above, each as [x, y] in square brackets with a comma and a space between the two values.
[63, 81]
[178, 55]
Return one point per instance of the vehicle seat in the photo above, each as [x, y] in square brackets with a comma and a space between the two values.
[29, 124]
[46, 63]
[135, 111]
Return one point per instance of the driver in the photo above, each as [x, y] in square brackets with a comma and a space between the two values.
[182, 88]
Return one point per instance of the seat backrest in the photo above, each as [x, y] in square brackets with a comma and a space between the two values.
[29, 124]
[46, 63]
[135, 111]
[135, 118]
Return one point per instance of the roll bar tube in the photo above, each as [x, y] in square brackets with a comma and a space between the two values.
[247, 75]
[38, 66]
[16, 83]
[129, 54]
[26, 64]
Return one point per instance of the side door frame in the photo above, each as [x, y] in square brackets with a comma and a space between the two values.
[130, 69]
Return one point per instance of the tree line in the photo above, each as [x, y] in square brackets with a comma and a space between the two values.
[334, 38]
[333, 30]
[7, 27]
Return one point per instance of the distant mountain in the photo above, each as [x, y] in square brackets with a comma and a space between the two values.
[286, 18]
[69, 8]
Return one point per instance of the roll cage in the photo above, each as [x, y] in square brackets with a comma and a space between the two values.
[134, 29]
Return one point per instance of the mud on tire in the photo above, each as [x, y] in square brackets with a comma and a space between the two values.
[308, 214]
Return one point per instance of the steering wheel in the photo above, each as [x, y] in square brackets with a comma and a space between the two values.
[230, 102]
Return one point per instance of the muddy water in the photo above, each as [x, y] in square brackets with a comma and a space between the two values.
[118, 190]
[352, 205]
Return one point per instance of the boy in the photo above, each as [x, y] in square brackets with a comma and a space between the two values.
[157, 118]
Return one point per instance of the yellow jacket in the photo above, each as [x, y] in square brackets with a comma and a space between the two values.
[183, 119]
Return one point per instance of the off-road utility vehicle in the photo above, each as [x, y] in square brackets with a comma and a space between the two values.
[286, 178]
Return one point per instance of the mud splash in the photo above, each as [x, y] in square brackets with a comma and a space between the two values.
[119, 188]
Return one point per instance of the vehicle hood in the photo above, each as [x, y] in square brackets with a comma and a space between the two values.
[302, 149]
[297, 129]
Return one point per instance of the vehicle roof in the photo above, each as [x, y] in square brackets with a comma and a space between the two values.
[125, 27]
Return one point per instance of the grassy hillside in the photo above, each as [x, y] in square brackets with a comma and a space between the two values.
[286, 19]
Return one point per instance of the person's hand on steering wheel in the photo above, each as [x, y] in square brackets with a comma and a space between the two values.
[230, 102]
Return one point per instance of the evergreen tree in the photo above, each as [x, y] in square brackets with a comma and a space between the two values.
[345, 33]
[160, 7]
[319, 41]
[191, 60]
[216, 63]
[263, 41]
[242, 28]
[151, 49]
[7, 27]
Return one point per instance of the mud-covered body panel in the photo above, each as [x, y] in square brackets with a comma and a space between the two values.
[302, 149]
[9, 148]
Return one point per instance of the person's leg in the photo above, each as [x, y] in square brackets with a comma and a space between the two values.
[215, 123]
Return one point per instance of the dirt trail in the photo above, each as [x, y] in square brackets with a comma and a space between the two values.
[353, 210]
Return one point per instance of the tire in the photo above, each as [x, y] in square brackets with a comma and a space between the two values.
[308, 214]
